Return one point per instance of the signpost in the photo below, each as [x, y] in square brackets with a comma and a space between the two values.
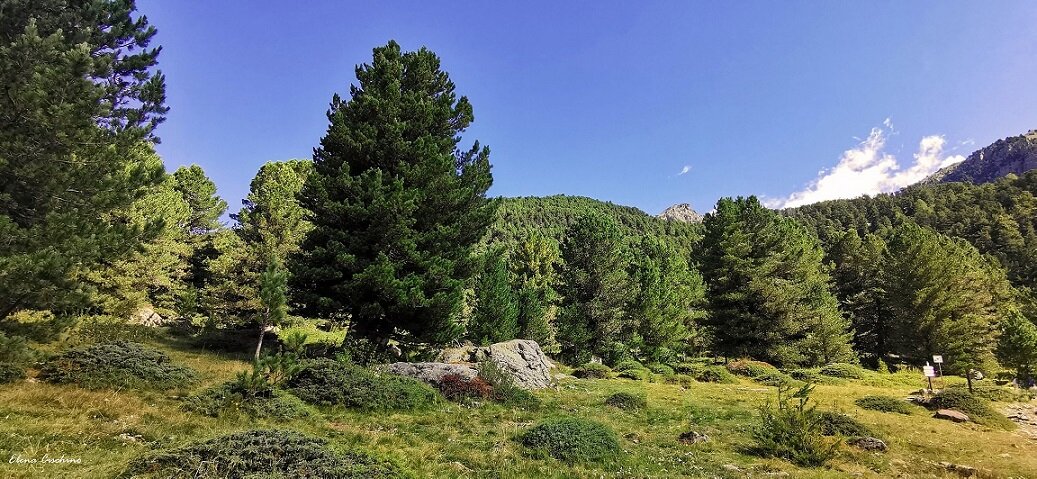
[938, 361]
[930, 372]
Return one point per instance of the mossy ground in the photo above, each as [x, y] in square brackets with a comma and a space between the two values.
[107, 429]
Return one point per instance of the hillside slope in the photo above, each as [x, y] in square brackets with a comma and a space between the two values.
[1012, 155]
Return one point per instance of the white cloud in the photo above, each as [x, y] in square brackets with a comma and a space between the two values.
[684, 170]
[868, 169]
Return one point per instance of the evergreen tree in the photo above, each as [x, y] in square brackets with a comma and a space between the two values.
[595, 288]
[768, 289]
[861, 290]
[533, 265]
[665, 310]
[80, 103]
[1017, 347]
[273, 287]
[397, 206]
[495, 317]
[203, 222]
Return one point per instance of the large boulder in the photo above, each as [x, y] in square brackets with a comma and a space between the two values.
[145, 316]
[432, 373]
[951, 415]
[522, 358]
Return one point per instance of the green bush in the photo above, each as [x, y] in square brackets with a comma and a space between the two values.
[505, 390]
[835, 424]
[774, 378]
[884, 404]
[997, 393]
[108, 329]
[842, 370]
[572, 440]
[593, 371]
[635, 374]
[805, 375]
[261, 454]
[326, 382]
[713, 374]
[977, 408]
[752, 369]
[15, 357]
[662, 369]
[229, 398]
[793, 430]
[686, 368]
[627, 364]
[10, 373]
[117, 364]
[624, 400]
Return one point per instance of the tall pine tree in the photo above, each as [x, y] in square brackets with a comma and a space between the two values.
[533, 263]
[669, 301]
[495, 316]
[397, 205]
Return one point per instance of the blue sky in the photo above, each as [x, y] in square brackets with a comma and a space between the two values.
[613, 100]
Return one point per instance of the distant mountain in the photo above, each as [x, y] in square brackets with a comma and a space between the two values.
[681, 212]
[1013, 155]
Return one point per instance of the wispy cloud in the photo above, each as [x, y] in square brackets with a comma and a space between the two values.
[868, 169]
[684, 170]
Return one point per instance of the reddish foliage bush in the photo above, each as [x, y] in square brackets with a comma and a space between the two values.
[459, 388]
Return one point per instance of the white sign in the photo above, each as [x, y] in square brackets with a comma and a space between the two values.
[937, 359]
[929, 371]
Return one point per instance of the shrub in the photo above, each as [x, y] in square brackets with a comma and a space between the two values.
[461, 389]
[884, 404]
[572, 440]
[628, 364]
[687, 368]
[774, 378]
[261, 453]
[593, 371]
[752, 369]
[117, 364]
[835, 424]
[793, 430]
[504, 388]
[326, 382]
[997, 393]
[107, 329]
[635, 374]
[661, 369]
[15, 356]
[229, 398]
[977, 408]
[842, 370]
[624, 400]
[713, 374]
[805, 375]
[10, 373]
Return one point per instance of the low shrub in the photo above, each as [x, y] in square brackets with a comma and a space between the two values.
[624, 400]
[107, 329]
[593, 371]
[572, 440]
[117, 364]
[261, 453]
[635, 374]
[15, 357]
[997, 393]
[326, 382]
[228, 398]
[793, 430]
[686, 368]
[627, 364]
[713, 374]
[662, 369]
[977, 408]
[774, 378]
[836, 424]
[805, 375]
[749, 368]
[36, 326]
[10, 373]
[505, 390]
[842, 370]
[458, 388]
[884, 404]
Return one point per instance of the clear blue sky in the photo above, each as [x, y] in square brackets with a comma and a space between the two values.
[612, 99]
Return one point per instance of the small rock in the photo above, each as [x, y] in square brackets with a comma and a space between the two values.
[692, 437]
[951, 415]
[962, 470]
[731, 467]
[129, 437]
[869, 443]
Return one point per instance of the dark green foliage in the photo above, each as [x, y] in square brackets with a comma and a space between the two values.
[505, 390]
[117, 364]
[712, 374]
[635, 374]
[774, 378]
[1017, 347]
[977, 408]
[662, 369]
[884, 404]
[396, 205]
[793, 430]
[836, 424]
[273, 288]
[593, 371]
[670, 299]
[10, 372]
[572, 440]
[261, 453]
[533, 263]
[628, 364]
[15, 350]
[861, 289]
[624, 400]
[495, 316]
[806, 375]
[331, 383]
[768, 288]
[595, 289]
[752, 369]
[232, 398]
[842, 370]
[998, 393]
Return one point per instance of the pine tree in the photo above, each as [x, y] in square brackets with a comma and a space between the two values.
[397, 206]
[860, 287]
[1017, 347]
[768, 288]
[273, 287]
[495, 316]
[533, 264]
[595, 287]
[203, 225]
[665, 310]
[81, 99]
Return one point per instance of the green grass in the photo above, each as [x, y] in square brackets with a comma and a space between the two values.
[107, 429]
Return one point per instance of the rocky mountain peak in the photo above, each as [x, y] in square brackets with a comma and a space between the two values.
[681, 212]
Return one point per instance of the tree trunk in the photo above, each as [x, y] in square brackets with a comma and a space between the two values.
[968, 378]
[259, 343]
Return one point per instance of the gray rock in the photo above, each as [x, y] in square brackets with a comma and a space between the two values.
[869, 443]
[431, 373]
[693, 437]
[146, 316]
[522, 358]
[951, 415]
[682, 212]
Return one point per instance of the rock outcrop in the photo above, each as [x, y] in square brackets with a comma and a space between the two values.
[1013, 155]
[432, 373]
[681, 212]
[951, 415]
[521, 358]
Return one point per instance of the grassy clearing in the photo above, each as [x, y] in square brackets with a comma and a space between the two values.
[107, 429]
